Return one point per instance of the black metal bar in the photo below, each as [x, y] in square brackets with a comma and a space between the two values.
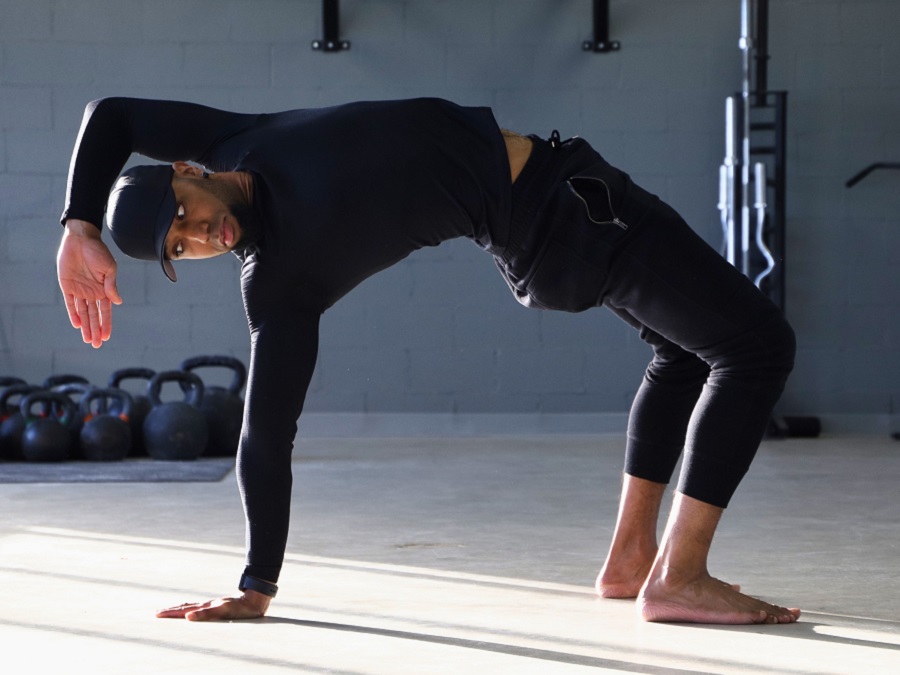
[768, 144]
[331, 20]
[761, 47]
[869, 169]
[779, 231]
[601, 42]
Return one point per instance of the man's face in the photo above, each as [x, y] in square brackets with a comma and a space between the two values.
[211, 218]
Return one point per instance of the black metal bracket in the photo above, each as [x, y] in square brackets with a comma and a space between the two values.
[601, 42]
[331, 27]
[869, 169]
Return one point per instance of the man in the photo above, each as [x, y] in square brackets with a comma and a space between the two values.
[315, 201]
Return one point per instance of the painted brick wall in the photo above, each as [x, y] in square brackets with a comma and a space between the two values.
[439, 332]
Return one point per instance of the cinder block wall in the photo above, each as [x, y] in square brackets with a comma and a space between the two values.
[439, 332]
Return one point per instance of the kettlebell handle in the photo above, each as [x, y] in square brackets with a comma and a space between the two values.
[71, 388]
[129, 374]
[190, 384]
[15, 390]
[53, 400]
[236, 365]
[124, 399]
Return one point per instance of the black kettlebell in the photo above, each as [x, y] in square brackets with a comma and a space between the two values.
[222, 407]
[175, 430]
[140, 406]
[75, 391]
[9, 380]
[105, 435]
[12, 422]
[48, 436]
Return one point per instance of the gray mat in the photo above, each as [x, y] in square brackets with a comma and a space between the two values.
[128, 471]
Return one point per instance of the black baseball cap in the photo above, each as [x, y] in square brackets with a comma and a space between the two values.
[140, 211]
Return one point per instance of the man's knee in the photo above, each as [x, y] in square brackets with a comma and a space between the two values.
[760, 355]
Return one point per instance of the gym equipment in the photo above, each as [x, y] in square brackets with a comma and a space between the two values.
[331, 19]
[222, 407]
[75, 391]
[12, 423]
[175, 430]
[755, 164]
[8, 381]
[140, 406]
[47, 437]
[756, 123]
[869, 169]
[105, 436]
[794, 427]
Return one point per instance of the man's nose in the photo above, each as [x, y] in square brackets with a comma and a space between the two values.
[199, 233]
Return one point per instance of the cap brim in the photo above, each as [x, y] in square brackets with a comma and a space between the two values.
[164, 218]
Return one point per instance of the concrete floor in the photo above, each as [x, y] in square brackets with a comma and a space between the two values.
[462, 555]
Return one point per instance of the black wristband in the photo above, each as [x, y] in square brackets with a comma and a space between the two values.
[249, 583]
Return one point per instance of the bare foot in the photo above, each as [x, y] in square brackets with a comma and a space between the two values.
[706, 600]
[622, 578]
[619, 579]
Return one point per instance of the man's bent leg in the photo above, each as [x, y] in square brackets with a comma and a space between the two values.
[680, 589]
[671, 282]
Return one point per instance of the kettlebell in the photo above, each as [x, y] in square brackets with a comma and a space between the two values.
[175, 430]
[9, 380]
[75, 391]
[105, 436]
[47, 437]
[13, 422]
[222, 407]
[140, 406]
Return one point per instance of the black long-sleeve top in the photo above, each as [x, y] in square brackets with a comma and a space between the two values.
[342, 192]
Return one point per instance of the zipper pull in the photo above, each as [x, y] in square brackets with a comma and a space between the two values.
[554, 140]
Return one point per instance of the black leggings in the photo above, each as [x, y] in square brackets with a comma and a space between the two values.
[722, 350]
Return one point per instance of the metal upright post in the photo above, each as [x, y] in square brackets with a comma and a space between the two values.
[746, 45]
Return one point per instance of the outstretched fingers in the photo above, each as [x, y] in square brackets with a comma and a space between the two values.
[92, 317]
[180, 611]
[223, 609]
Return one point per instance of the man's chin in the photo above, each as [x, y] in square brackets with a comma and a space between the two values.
[248, 231]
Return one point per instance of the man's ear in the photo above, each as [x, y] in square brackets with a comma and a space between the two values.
[184, 170]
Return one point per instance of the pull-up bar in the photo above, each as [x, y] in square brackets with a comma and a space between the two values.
[331, 19]
[332, 42]
[601, 42]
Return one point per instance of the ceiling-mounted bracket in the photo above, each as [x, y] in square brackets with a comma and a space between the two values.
[331, 21]
[601, 42]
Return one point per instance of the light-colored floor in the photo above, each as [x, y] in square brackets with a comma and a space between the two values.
[462, 556]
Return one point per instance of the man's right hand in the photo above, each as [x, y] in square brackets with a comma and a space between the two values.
[87, 277]
[251, 605]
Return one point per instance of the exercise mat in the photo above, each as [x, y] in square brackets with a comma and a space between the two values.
[142, 470]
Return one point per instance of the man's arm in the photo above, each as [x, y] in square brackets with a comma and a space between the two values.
[283, 357]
